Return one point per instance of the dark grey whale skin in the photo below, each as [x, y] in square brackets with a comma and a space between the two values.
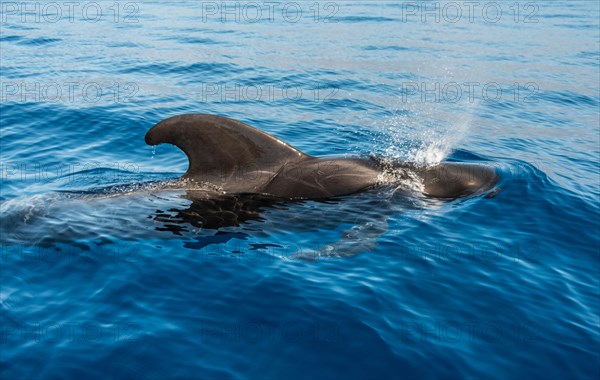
[241, 159]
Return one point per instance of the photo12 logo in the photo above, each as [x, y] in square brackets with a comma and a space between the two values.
[453, 12]
[69, 332]
[454, 332]
[125, 253]
[269, 11]
[72, 171]
[454, 92]
[69, 11]
[265, 92]
[68, 92]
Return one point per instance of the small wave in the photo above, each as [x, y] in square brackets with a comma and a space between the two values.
[19, 27]
[195, 40]
[389, 47]
[38, 41]
[11, 38]
[353, 19]
[568, 97]
[200, 68]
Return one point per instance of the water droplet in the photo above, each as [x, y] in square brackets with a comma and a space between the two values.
[153, 150]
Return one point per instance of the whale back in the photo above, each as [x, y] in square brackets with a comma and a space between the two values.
[316, 178]
[238, 158]
[225, 152]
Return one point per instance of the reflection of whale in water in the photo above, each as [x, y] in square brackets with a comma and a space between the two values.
[231, 222]
[215, 212]
[237, 158]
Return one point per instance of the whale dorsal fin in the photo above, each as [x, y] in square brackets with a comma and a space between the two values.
[220, 149]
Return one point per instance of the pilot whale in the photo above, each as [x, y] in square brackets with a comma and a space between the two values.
[240, 159]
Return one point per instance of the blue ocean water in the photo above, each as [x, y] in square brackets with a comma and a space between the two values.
[109, 271]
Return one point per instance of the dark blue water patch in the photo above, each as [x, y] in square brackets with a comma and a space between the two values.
[18, 26]
[256, 247]
[12, 72]
[500, 104]
[129, 26]
[543, 120]
[567, 97]
[11, 38]
[93, 124]
[219, 238]
[122, 44]
[209, 31]
[225, 31]
[252, 85]
[525, 178]
[506, 58]
[195, 40]
[388, 47]
[311, 74]
[586, 58]
[401, 77]
[560, 16]
[589, 54]
[383, 88]
[358, 19]
[332, 103]
[38, 41]
[579, 26]
[347, 84]
[462, 155]
[520, 143]
[199, 70]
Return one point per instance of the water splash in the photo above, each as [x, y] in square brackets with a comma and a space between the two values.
[426, 133]
[423, 134]
[426, 137]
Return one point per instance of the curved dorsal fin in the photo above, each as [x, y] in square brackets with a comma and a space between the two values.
[219, 148]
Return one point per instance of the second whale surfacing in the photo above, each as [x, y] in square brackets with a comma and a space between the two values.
[240, 159]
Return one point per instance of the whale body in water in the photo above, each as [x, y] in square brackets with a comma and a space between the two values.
[240, 159]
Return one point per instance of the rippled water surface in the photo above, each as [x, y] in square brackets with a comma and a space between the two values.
[109, 268]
